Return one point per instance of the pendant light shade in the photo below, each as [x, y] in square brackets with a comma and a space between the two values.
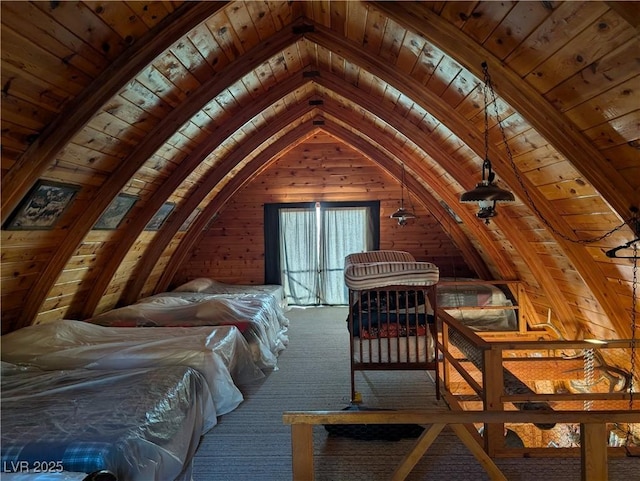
[487, 194]
[402, 214]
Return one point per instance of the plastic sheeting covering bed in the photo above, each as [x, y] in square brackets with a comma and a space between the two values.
[221, 354]
[257, 316]
[206, 285]
[139, 424]
[391, 312]
[477, 304]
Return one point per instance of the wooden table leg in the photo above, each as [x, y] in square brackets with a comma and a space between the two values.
[410, 460]
[302, 452]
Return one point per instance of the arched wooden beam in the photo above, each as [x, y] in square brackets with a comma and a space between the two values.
[530, 104]
[253, 168]
[378, 61]
[584, 263]
[162, 239]
[169, 185]
[245, 175]
[39, 156]
[132, 292]
[557, 300]
[392, 166]
[434, 151]
[143, 151]
[418, 137]
[153, 252]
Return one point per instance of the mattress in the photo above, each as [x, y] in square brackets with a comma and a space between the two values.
[221, 354]
[376, 269]
[410, 349]
[257, 316]
[140, 424]
[457, 300]
[211, 286]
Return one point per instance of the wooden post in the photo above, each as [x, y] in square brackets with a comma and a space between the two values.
[593, 447]
[302, 452]
[493, 389]
[446, 366]
[523, 313]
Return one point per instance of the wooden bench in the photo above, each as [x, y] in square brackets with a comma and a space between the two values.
[593, 433]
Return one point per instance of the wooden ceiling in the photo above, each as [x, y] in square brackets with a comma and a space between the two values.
[187, 102]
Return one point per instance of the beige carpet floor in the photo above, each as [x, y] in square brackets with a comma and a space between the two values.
[252, 443]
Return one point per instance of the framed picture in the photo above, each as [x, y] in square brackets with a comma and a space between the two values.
[116, 211]
[189, 220]
[42, 207]
[451, 212]
[158, 219]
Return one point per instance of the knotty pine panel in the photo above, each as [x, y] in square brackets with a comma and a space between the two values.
[51, 315]
[25, 255]
[107, 302]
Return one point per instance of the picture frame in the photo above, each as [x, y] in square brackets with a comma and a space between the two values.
[451, 212]
[189, 220]
[43, 206]
[160, 217]
[116, 212]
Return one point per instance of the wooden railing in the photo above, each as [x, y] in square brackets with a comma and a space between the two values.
[493, 384]
[593, 432]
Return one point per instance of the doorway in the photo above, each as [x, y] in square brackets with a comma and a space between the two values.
[305, 247]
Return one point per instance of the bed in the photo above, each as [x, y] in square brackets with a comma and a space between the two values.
[392, 303]
[257, 316]
[206, 285]
[221, 354]
[479, 305]
[139, 424]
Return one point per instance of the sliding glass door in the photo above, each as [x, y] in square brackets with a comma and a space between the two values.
[312, 242]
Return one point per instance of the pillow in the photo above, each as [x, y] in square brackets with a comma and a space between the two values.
[197, 285]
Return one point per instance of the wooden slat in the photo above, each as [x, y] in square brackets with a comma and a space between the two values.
[457, 417]
[37, 158]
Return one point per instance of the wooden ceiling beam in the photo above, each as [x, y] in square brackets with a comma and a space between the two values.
[153, 253]
[41, 153]
[584, 263]
[556, 298]
[168, 187]
[249, 171]
[411, 131]
[434, 151]
[141, 153]
[489, 245]
[529, 103]
[373, 152]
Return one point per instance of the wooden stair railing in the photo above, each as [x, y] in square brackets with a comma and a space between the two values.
[593, 433]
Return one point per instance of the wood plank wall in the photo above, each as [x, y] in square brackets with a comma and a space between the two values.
[319, 169]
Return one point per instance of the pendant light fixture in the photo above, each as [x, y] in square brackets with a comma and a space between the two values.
[402, 214]
[486, 193]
